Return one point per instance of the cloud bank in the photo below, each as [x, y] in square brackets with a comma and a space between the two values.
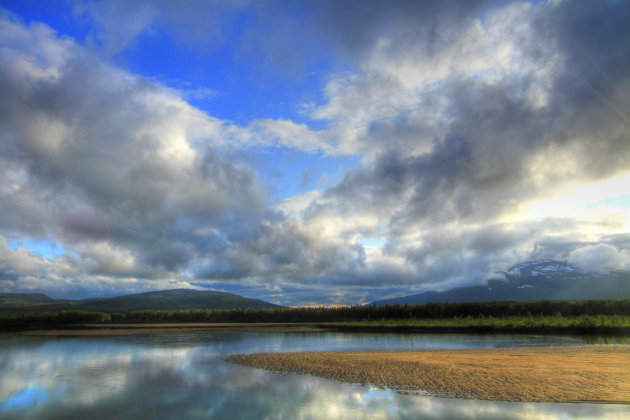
[479, 126]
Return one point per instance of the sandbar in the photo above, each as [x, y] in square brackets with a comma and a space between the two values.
[593, 373]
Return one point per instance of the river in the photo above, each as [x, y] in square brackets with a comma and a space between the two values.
[185, 376]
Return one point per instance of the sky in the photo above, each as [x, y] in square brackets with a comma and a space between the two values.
[309, 152]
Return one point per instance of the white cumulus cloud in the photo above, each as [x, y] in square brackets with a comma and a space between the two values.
[600, 258]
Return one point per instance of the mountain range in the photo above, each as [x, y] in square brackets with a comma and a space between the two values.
[531, 280]
[176, 299]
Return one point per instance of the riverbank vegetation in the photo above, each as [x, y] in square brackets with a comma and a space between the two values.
[530, 323]
[586, 315]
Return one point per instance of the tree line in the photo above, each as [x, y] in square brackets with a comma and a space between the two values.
[563, 308]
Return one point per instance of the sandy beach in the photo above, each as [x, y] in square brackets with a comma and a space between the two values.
[550, 374]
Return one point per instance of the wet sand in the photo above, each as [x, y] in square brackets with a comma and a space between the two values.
[551, 374]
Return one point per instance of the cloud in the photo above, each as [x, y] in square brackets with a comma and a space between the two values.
[19, 261]
[600, 258]
[119, 168]
[133, 181]
[293, 33]
[468, 116]
[493, 119]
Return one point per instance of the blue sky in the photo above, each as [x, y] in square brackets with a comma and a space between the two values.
[309, 152]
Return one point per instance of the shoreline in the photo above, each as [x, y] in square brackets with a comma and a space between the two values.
[474, 329]
[589, 374]
[91, 330]
[106, 329]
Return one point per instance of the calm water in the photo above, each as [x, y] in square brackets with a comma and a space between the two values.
[183, 376]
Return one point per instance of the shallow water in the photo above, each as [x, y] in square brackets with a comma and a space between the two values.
[184, 376]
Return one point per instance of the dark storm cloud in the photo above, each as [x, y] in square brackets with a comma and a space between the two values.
[499, 147]
[358, 25]
[594, 40]
[348, 29]
[8, 276]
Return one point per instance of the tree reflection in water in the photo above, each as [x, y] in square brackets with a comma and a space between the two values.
[185, 376]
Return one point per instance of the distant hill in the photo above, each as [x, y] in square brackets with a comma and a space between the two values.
[23, 299]
[532, 280]
[176, 299]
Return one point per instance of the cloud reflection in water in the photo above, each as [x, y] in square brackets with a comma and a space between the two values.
[129, 378]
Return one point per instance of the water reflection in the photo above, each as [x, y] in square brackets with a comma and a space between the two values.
[184, 376]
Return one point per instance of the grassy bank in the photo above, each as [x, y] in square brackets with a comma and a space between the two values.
[552, 316]
[551, 324]
[551, 374]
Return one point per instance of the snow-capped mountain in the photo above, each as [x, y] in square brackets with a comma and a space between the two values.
[532, 280]
[542, 268]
